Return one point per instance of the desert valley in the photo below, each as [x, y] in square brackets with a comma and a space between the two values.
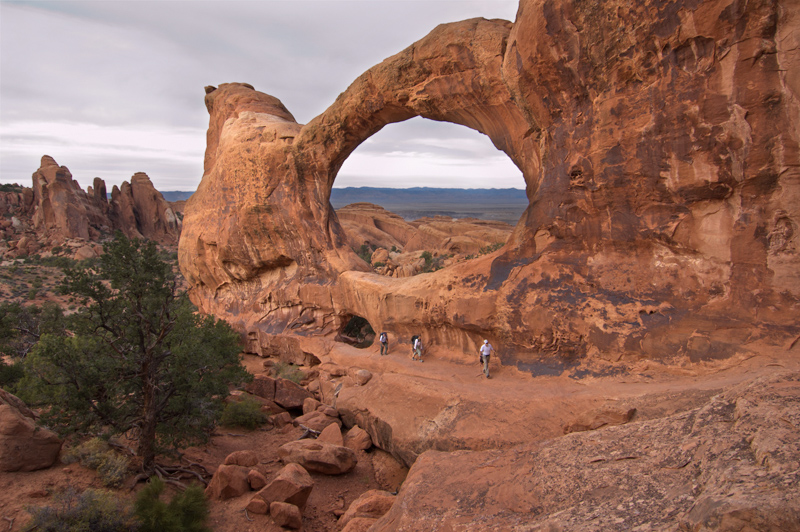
[642, 299]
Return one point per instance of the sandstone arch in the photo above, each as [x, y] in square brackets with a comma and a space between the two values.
[659, 146]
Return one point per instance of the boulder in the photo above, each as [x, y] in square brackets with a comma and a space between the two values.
[257, 506]
[256, 480]
[242, 458]
[360, 376]
[229, 481]
[262, 386]
[310, 404]
[357, 439]
[331, 434]
[23, 445]
[289, 394]
[316, 421]
[286, 515]
[292, 484]
[319, 456]
[389, 472]
[282, 419]
[371, 504]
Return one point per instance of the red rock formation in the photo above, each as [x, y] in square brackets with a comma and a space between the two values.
[659, 146]
[60, 210]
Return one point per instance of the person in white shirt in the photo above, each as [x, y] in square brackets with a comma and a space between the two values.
[485, 351]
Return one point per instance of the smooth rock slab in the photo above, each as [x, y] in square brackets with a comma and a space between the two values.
[319, 456]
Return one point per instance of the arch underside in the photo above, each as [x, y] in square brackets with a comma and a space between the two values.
[641, 235]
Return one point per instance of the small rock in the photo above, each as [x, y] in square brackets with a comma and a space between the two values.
[257, 506]
[286, 515]
[282, 419]
[256, 480]
[316, 420]
[310, 404]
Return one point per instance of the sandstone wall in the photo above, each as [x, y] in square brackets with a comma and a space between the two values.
[659, 146]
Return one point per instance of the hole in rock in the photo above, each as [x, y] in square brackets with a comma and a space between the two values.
[356, 331]
[421, 195]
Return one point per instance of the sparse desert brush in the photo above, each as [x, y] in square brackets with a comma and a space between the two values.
[96, 454]
[246, 414]
[94, 510]
[282, 370]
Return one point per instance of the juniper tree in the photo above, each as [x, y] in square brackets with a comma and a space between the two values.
[139, 360]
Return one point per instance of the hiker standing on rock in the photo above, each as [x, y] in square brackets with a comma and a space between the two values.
[384, 339]
[485, 351]
[416, 348]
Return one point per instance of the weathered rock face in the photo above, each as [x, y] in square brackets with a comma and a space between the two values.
[60, 209]
[729, 465]
[659, 146]
[23, 445]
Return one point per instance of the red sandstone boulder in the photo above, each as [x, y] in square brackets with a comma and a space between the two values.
[286, 515]
[331, 434]
[371, 504]
[292, 484]
[256, 480]
[289, 394]
[310, 404]
[228, 481]
[319, 456]
[23, 445]
[242, 458]
[357, 439]
[316, 421]
[359, 524]
[262, 386]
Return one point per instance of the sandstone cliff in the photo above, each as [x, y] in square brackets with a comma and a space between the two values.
[659, 146]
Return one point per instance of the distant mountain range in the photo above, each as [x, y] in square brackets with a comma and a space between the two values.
[344, 196]
[503, 204]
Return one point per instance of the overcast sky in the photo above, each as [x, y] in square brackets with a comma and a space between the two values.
[111, 88]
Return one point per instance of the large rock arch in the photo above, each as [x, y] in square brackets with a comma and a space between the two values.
[659, 146]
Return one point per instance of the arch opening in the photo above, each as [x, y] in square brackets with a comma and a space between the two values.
[421, 195]
[356, 331]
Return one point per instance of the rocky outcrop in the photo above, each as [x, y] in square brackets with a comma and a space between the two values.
[60, 212]
[729, 465]
[24, 446]
[659, 146]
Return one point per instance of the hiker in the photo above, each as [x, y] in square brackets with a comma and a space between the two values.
[384, 339]
[416, 348]
[485, 351]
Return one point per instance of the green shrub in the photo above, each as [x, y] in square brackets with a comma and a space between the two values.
[95, 511]
[365, 252]
[186, 512]
[246, 414]
[379, 264]
[394, 249]
[288, 371]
